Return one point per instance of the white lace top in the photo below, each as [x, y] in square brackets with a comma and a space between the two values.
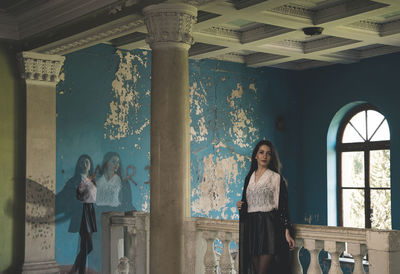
[88, 189]
[264, 195]
[108, 191]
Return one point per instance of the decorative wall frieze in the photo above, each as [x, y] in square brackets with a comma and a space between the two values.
[170, 23]
[223, 32]
[89, 38]
[294, 11]
[40, 67]
[262, 32]
[292, 44]
[366, 25]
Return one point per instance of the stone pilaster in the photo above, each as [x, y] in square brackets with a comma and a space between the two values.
[170, 37]
[41, 76]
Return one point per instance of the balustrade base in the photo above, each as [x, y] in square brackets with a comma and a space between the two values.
[49, 267]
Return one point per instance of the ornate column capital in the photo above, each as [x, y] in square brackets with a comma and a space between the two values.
[170, 24]
[40, 68]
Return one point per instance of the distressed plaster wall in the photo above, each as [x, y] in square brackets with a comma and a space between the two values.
[12, 144]
[232, 108]
[324, 92]
[103, 104]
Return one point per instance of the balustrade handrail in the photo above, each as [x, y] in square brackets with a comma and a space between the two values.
[216, 225]
[133, 228]
[331, 233]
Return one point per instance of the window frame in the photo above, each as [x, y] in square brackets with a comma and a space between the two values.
[366, 147]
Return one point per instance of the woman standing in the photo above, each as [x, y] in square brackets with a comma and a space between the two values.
[86, 193]
[265, 229]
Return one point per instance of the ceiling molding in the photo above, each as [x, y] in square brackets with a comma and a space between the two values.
[253, 32]
[94, 36]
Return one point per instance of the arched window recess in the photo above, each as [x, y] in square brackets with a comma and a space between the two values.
[363, 166]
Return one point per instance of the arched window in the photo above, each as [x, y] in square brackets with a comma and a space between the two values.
[363, 164]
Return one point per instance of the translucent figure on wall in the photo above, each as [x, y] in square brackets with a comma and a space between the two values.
[109, 181]
[67, 206]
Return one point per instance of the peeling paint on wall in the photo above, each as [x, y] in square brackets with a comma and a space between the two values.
[243, 131]
[236, 94]
[198, 102]
[139, 130]
[126, 99]
[218, 173]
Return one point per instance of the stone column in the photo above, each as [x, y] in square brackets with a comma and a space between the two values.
[41, 76]
[170, 37]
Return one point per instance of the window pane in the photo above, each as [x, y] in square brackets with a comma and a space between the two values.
[353, 169]
[350, 135]
[380, 168]
[353, 208]
[359, 123]
[383, 133]
[381, 210]
[374, 119]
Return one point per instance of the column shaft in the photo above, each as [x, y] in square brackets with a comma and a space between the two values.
[41, 75]
[170, 155]
[169, 27]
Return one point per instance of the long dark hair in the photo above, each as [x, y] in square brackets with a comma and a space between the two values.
[78, 167]
[274, 164]
[107, 157]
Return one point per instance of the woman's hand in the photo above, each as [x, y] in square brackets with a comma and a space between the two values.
[239, 204]
[289, 239]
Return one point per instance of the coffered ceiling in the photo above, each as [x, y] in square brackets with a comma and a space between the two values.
[254, 32]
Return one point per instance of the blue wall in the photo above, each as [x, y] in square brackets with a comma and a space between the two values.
[103, 104]
[324, 92]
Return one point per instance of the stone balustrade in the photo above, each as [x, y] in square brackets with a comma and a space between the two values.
[211, 246]
[125, 240]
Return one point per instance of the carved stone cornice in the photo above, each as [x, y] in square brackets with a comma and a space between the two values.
[294, 11]
[223, 32]
[367, 25]
[170, 24]
[41, 68]
[292, 44]
[92, 37]
[262, 32]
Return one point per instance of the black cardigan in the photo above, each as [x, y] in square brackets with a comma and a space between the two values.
[282, 265]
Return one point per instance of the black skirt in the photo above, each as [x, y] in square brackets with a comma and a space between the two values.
[263, 233]
[88, 222]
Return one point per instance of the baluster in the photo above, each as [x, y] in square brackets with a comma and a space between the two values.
[358, 251]
[225, 262]
[209, 256]
[130, 247]
[296, 265]
[236, 264]
[314, 247]
[335, 249]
